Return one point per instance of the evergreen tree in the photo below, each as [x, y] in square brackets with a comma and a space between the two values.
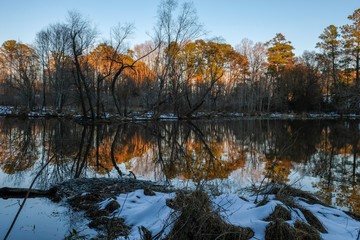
[351, 42]
[280, 53]
[280, 58]
[330, 44]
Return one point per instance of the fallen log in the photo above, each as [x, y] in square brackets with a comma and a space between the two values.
[7, 192]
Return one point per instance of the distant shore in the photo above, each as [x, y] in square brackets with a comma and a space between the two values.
[10, 112]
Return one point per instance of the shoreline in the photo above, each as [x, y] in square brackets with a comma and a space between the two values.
[148, 116]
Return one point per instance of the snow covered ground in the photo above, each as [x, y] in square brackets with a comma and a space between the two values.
[141, 210]
[152, 212]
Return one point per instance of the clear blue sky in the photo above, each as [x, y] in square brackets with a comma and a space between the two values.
[301, 21]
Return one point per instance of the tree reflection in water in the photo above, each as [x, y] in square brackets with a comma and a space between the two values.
[238, 150]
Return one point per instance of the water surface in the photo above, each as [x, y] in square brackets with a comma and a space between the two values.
[316, 155]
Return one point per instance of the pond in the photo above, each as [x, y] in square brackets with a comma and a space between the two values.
[320, 156]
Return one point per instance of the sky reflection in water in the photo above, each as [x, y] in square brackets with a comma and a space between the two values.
[317, 155]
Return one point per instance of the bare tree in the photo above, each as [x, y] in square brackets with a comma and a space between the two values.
[148, 88]
[82, 38]
[42, 47]
[176, 27]
[59, 57]
[119, 62]
[22, 70]
[116, 60]
[255, 54]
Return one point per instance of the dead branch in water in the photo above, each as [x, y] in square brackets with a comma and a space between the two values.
[6, 193]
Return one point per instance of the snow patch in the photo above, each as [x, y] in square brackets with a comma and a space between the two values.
[140, 210]
[152, 212]
[6, 110]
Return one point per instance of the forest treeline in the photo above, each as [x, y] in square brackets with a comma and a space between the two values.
[69, 69]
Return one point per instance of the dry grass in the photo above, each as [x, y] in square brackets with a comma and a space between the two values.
[312, 220]
[106, 226]
[286, 194]
[279, 230]
[85, 202]
[110, 227]
[263, 202]
[305, 231]
[280, 213]
[197, 220]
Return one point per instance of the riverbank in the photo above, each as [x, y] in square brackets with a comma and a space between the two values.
[136, 209]
[7, 111]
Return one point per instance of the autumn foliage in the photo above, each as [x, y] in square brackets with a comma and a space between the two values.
[69, 69]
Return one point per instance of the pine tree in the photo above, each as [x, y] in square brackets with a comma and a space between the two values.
[280, 53]
[351, 41]
[330, 44]
[280, 58]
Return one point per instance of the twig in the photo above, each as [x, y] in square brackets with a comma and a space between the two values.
[284, 148]
[122, 205]
[26, 197]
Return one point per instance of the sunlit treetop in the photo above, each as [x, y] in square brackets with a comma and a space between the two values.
[280, 53]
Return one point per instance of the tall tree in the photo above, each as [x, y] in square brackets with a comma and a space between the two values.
[119, 61]
[351, 36]
[330, 45]
[210, 62]
[280, 54]
[148, 65]
[52, 44]
[304, 92]
[99, 61]
[82, 37]
[60, 52]
[42, 46]
[280, 58]
[120, 64]
[175, 29]
[256, 55]
[7, 57]
[22, 70]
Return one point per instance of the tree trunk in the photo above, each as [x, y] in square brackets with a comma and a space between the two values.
[98, 97]
[6, 192]
[43, 107]
[357, 71]
[81, 95]
[354, 166]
